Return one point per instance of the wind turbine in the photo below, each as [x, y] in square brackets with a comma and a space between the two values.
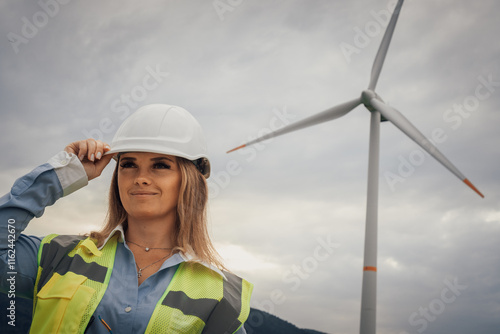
[378, 109]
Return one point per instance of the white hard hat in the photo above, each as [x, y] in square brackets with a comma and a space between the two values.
[164, 129]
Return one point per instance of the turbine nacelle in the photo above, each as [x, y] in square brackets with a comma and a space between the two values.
[366, 98]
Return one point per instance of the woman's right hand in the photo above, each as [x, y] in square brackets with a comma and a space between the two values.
[91, 154]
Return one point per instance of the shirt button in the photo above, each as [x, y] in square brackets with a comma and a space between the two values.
[128, 309]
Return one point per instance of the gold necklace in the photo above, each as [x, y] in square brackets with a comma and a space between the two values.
[147, 249]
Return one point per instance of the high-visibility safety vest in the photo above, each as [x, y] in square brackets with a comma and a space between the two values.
[73, 276]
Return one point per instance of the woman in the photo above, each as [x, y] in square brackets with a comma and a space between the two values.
[152, 268]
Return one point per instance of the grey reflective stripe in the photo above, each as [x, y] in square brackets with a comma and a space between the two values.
[77, 265]
[55, 259]
[220, 317]
[224, 318]
[52, 254]
[198, 307]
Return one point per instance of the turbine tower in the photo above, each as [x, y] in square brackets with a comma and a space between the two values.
[378, 109]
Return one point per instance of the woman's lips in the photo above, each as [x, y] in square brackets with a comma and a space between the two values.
[143, 193]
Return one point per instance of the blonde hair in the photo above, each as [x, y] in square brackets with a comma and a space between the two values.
[191, 232]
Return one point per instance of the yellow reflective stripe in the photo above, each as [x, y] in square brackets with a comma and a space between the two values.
[35, 288]
[197, 281]
[245, 301]
[40, 248]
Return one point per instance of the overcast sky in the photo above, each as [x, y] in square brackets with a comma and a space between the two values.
[289, 214]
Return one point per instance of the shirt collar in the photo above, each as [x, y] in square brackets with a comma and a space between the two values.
[185, 256]
[121, 237]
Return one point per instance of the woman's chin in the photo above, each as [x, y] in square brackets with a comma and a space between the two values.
[146, 215]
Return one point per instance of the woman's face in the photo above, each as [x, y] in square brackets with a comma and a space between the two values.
[149, 185]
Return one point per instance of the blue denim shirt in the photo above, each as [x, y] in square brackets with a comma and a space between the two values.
[126, 306]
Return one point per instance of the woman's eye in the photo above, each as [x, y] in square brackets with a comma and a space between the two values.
[127, 165]
[161, 165]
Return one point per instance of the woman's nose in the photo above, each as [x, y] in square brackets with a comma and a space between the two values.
[143, 178]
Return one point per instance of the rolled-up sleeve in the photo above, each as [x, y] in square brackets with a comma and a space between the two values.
[28, 198]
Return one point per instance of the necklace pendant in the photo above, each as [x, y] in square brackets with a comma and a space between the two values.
[147, 249]
[139, 274]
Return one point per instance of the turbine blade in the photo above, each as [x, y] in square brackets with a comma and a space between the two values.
[324, 116]
[396, 118]
[384, 45]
